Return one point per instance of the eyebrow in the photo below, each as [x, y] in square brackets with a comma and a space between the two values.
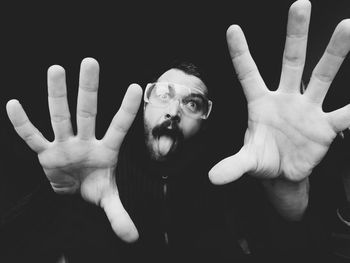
[198, 95]
[204, 92]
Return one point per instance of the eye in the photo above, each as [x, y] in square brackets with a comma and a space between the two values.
[192, 105]
[164, 96]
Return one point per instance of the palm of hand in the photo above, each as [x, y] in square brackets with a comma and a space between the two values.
[80, 162]
[75, 165]
[287, 135]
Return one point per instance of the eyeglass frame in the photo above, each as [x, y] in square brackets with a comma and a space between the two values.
[209, 102]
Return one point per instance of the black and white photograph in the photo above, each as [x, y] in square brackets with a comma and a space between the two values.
[175, 131]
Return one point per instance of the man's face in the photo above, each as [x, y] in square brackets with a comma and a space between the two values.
[169, 126]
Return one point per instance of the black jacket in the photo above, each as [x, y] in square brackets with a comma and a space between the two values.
[179, 214]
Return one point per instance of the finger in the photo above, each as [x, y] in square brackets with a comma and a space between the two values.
[232, 168]
[340, 119]
[120, 220]
[246, 70]
[295, 46]
[124, 117]
[87, 98]
[328, 66]
[25, 128]
[58, 104]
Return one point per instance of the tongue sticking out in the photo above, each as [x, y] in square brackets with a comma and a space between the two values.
[165, 143]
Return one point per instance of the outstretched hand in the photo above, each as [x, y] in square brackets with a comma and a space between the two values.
[81, 163]
[288, 133]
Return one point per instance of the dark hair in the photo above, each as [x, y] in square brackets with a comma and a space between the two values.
[187, 67]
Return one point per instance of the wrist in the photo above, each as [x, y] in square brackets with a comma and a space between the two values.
[285, 187]
[289, 198]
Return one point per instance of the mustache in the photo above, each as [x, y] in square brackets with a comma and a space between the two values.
[170, 128]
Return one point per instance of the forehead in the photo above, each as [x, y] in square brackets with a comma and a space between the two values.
[179, 77]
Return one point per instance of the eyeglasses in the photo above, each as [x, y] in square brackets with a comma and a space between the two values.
[192, 102]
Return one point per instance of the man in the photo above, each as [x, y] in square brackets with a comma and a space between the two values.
[288, 134]
[161, 181]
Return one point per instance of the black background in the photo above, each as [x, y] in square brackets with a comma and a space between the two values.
[131, 41]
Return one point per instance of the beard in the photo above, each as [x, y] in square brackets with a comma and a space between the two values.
[163, 140]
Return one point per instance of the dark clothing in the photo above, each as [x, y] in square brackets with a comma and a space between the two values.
[341, 234]
[180, 216]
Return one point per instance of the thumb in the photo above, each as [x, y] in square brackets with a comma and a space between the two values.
[233, 167]
[120, 220]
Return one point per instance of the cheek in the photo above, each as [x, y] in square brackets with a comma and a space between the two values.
[152, 116]
[190, 127]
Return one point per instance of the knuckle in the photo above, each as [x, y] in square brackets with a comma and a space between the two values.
[58, 118]
[86, 113]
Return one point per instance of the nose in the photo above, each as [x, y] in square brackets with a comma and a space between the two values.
[173, 110]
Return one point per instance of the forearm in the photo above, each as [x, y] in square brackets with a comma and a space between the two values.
[290, 199]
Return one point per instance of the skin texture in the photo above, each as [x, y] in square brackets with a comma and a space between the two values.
[288, 133]
[81, 163]
[154, 116]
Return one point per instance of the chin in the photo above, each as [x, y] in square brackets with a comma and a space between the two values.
[157, 156]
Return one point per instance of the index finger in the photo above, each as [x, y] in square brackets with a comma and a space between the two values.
[246, 69]
[124, 118]
[25, 129]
